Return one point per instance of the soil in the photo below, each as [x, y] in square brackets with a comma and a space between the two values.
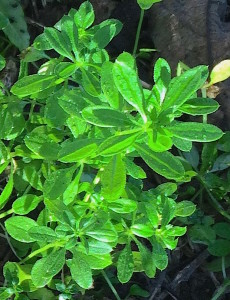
[186, 276]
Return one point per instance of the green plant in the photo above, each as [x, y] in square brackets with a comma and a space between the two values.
[70, 135]
[13, 24]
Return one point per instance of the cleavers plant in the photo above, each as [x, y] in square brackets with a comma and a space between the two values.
[73, 203]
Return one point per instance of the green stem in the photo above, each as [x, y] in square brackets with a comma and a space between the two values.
[223, 267]
[204, 95]
[43, 249]
[110, 285]
[6, 213]
[138, 32]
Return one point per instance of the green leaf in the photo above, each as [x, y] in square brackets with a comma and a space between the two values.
[222, 229]
[18, 228]
[5, 195]
[185, 209]
[183, 87]
[113, 179]
[219, 247]
[168, 210]
[11, 120]
[42, 234]
[104, 116]
[174, 231]
[182, 144]
[47, 267]
[72, 101]
[33, 84]
[24, 204]
[84, 17]
[163, 163]
[108, 86]
[71, 30]
[60, 211]
[105, 32]
[77, 150]
[99, 262]
[142, 230]
[59, 41]
[116, 144]
[80, 269]
[57, 183]
[152, 214]
[197, 132]
[204, 234]
[208, 156]
[54, 113]
[98, 247]
[128, 83]
[13, 23]
[134, 170]
[159, 255]
[65, 69]
[135, 290]
[199, 106]
[220, 72]
[146, 4]
[91, 83]
[105, 233]
[221, 163]
[6, 293]
[125, 264]
[162, 76]
[72, 190]
[147, 260]
[123, 206]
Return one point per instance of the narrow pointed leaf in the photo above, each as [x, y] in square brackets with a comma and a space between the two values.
[125, 264]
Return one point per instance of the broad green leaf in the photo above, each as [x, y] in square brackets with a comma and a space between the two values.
[97, 247]
[220, 72]
[72, 101]
[162, 76]
[166, 189]
[18, 228]
[13, 23]
[105, 31]
[128, 83]
[11, 120]
[152, 214]
[99, 262]
[47, 267]
[183, 145]
[199, 106]
[168, 210]
[77, 150]
[185, 208]
[60, 211]
[71, 30]
[72, 190]
[43, 234]
[105, 233]
[123, 206]
[183, 87]
[113, 179]
[43, 142]
[104, 116]
[159, 255]
[24, 204]
[142, 230]
[224, 142]
[65, 69]
[33, 84]
[116, 144]
[163, 163]
[174, 231]
[202, 233]
[146, 4]
[208, 156]
[7, 190]
[159, 142]
[59, 41]
[84, 17]
[57, 183]
[6, 293]
[4, 155]
[147, 260]
[108, 86]
[125, 264]
[219, 247]
[136, 290]
[54, 114]
[221, 163]
[198, 132]
[91, 83]
[222, 229]
[80, 269]
[134, 170]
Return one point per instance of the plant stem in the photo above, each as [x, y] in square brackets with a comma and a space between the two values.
[110, 285]
[138, 32]
[6, 213]
[223, 267]
[43, 249]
